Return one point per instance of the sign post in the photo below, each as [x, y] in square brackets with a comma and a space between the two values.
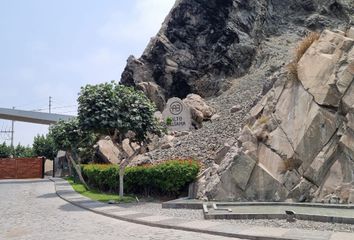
[177, 115]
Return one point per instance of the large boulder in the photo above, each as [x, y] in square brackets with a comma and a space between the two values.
[200, 110]
[107, 152]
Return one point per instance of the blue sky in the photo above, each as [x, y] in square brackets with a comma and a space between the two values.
[53, 47]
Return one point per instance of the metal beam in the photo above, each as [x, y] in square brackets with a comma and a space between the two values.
[32, 117]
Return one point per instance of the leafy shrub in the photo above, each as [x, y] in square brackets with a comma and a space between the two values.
[168, 178]
[102, 177]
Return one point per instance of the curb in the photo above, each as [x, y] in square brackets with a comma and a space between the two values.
[190, 204]
[184, 203]
[165, 226]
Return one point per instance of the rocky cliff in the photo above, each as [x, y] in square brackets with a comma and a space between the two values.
[204, 44]
[295, 143]
[299, 140]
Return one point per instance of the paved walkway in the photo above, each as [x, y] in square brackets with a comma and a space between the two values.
[31, 210]
[65, 191]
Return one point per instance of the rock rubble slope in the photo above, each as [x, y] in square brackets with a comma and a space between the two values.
[230, 52]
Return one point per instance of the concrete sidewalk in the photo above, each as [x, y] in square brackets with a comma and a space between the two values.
[65, 191]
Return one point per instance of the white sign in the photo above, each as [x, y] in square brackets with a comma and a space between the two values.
[177, 115]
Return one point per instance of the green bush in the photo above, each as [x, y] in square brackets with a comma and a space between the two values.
[169, 178]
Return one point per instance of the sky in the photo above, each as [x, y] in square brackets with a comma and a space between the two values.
[52, 48]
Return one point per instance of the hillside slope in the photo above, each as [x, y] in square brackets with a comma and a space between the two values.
[233, 52]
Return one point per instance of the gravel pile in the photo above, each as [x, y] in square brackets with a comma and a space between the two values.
[246, 91]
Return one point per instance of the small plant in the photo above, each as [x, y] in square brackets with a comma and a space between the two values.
[305, 44]
[289, 165]
[292, 70]
[300, 50]
[168, 121]
[263, 119]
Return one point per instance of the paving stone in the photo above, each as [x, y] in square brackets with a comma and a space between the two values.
[173, 221]
[154, 218]
[229, 228]
[124, 213]
[113, 209]
[137, 215]
[265, 231]
[342, 236]
[74, 198]
[89, 203]
[108, 209]
[200, 224]
[308, 235]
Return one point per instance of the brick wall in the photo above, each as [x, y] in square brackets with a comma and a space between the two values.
[21, 168]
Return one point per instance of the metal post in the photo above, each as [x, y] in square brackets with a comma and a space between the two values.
[12, 131]
[50, 104]
[54, 167]
[43, 166]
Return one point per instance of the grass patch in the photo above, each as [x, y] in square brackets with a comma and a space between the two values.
[300, 50]
[98, 196]
[305, 44]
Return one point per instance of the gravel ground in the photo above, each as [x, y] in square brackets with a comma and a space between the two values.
[156, 209]
[299, 224]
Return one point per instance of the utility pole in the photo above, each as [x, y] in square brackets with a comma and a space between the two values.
[12, 131]
[50, 104]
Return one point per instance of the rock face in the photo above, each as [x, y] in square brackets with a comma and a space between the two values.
[204, 43]
[299, 141]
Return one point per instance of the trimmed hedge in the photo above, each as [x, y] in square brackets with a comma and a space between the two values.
[169, 178]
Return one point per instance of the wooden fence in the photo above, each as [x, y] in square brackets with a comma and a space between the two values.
[21, 168]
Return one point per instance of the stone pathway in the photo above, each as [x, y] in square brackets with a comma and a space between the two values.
[65, 191]
[31, 210]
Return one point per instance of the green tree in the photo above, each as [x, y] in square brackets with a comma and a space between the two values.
[120, 112]
[19, 151]
[67, 136]
[5, 151]
[43, 145]
[23, 151]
